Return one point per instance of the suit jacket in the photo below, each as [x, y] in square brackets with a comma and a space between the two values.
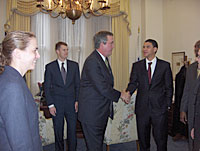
[179, 86]
[19, 126]
[96, 91]
[157, 96]
[197, 120]
[58, 93]
[189, 96]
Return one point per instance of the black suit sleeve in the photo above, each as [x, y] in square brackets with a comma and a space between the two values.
[96, 74]
[77, 82]
[168, 85]
[133, 84]
[47, 85]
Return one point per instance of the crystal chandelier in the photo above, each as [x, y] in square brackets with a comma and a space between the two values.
[73, 9]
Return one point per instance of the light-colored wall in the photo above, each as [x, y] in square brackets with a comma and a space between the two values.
[175, 24]
[135, 38]
[181, 26]
[2, 18]
[154, 23]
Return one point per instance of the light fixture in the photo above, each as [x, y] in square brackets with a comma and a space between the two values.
[73, 9]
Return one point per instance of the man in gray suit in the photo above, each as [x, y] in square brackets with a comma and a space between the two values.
[190, 94]
[96, 92]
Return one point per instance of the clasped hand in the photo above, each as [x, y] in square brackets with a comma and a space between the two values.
[125, 96]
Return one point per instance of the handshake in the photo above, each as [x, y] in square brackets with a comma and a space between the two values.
[125, 96]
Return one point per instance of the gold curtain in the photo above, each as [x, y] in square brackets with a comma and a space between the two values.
[18, 18]
[120, 13]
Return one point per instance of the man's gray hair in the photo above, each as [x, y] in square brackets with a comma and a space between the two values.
[101, 37]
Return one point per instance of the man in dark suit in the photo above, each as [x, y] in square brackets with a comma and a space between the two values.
[61, 86]
[179, 130]
[190, 94]
[96, 92]
[152, 78]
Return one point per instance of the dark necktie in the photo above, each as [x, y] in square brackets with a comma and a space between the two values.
[106, 62]
[149, 72]
[63, 72]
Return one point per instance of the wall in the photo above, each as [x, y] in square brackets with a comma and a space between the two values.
[154, 23]
[181, 26]
[2, 18]
[173, 23]
[135, 38]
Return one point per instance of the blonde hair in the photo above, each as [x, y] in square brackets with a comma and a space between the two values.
[13, 40]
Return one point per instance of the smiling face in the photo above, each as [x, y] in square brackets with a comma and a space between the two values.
[149, 51]
[30, 55]
[62, 52]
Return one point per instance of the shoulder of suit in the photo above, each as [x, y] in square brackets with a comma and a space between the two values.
[193, 65]
[72, 62]
[51, 63]
[93, 56]
[139, 62]
[162, 61]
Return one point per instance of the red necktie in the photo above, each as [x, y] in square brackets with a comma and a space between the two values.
[149, 72]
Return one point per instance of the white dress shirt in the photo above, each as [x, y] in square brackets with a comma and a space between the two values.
[60, 64]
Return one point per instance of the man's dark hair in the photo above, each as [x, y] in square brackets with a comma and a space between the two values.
[58, 44]
[153, 42]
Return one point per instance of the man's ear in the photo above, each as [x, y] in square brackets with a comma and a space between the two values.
[155, 49]
[57, 51]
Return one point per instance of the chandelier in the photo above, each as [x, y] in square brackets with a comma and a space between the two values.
[73, 9]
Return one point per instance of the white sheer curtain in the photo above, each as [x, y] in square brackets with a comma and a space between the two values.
[79, 38]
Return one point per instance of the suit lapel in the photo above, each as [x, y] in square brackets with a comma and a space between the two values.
[145, 71]
[57, 70]
[69, 71]
[101, 61]
[157, 68]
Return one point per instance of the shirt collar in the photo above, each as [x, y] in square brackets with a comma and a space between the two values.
[102, 56]
[60, 62]
[153, 61]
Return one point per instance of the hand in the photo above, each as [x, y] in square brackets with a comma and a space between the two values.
[126, 97]
[183, 117]
[52, 110]
[76, 106]
[192, 133]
